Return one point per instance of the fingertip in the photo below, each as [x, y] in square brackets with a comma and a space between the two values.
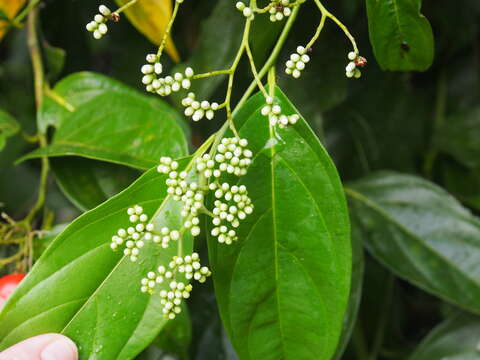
[43, 347]
[61, 349]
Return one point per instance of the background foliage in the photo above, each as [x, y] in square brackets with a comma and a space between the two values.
[405, 144]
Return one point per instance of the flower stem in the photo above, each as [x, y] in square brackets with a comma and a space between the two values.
[326, 13]
[168, 29]
[271, 59]
[317, 33]
[126, 6]
[212, 73]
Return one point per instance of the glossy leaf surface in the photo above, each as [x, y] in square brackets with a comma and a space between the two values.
[83, 289]
[128, 130]
[86, 182]
[283, 288]
[421, 233]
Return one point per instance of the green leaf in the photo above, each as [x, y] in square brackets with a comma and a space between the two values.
[8, 127]
[75, 175]
[55, 59]
[177, 335]
[88, 183]
[459, 137]
[283, 288]
[421, 233]
[122, 129]
[45, 238]
[83, 289]
[455, 339]
[79, 88]
[401, 36]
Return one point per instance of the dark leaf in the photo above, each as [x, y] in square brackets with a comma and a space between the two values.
[459, 137]
[455, 339]
[421, 233]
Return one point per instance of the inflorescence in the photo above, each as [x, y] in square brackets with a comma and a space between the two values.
[99, 24]
[189, 267]
[232, 205]
[208, 171]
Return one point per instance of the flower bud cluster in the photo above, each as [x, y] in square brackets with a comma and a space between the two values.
[190, 267]
[275, 116]
[280, 10]
[246, 11]
[134, 236]
[166, 236]
[232, 206]
[164, 86]
[187, 192]
[352, 69]
[98, 26]
[232, 157]
[297, 62]
[198, 110]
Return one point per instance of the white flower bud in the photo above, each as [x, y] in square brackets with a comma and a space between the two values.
[247, 12]
[240, 5]
[189, 72]
[104, 10]
[99, 19]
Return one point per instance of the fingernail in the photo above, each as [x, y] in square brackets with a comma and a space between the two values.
[62, 349]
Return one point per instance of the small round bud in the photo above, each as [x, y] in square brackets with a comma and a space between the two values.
[105, 11]
[240, 5]
[247, 12]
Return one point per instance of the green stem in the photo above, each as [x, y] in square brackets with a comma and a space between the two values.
[212, 73]
[39, 85]
[168, 29]
[18, 19]
[254, 70]
[271, 59]
[328, 14]
[317, 33]
[126, 6]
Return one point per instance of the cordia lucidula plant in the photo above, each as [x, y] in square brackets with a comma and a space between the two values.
[261, 190]
[226, 155]
[196, 213]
